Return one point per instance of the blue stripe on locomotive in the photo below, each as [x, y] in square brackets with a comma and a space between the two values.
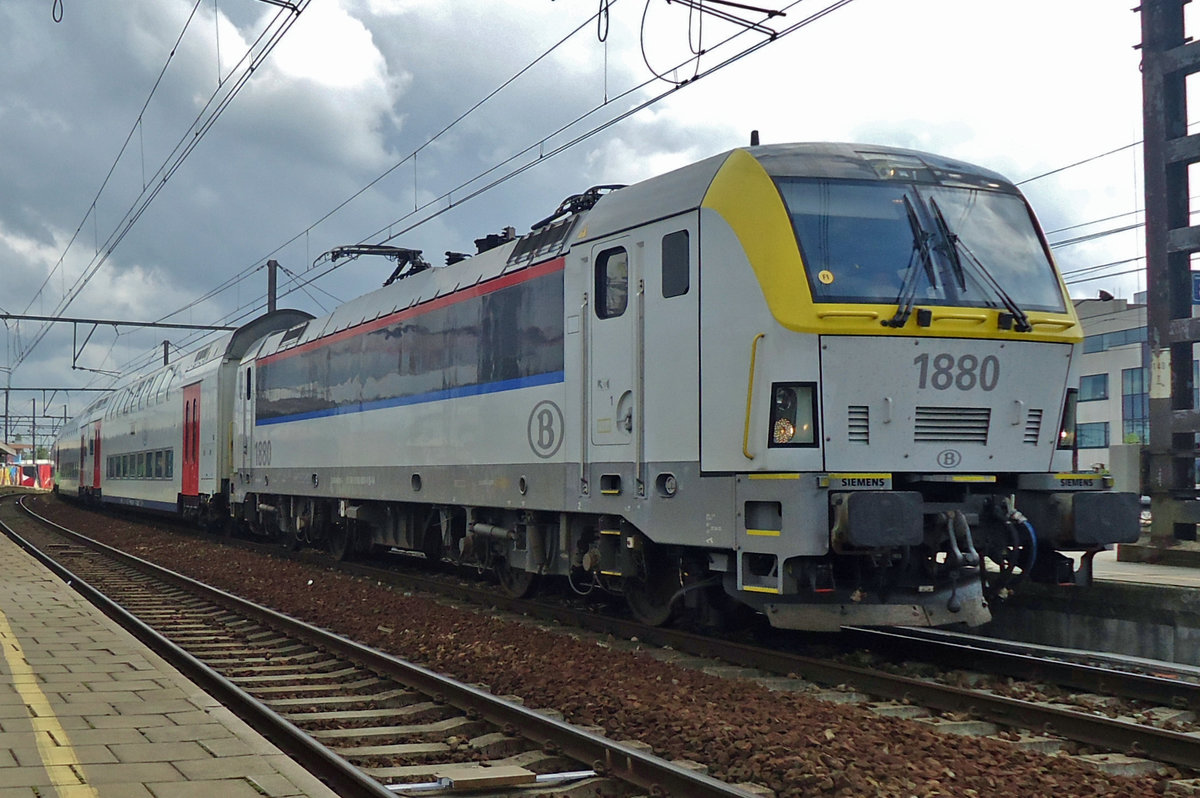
[503, 340]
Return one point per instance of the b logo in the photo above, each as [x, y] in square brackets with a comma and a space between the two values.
[949, 458]
[545, 429]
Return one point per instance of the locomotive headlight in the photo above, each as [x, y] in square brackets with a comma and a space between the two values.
[783, 431]
[1066, 429]
[793, 413]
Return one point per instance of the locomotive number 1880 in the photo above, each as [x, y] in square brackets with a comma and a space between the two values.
[262, 453]
[966, 372]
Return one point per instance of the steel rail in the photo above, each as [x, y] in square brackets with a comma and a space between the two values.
[1010, 660]
[1125, 736]
[341, 776]
[1101, 658]
[607, 757]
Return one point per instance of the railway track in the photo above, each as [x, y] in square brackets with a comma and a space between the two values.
[1037, 714]
[1153, 716]
[1076, 707]
[366, 723]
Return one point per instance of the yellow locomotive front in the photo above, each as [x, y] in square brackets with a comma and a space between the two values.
[904, 410]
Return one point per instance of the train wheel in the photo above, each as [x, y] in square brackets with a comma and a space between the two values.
[337, 541]
[651, 593]
[287, 540]
[434, 534]
[515, 582]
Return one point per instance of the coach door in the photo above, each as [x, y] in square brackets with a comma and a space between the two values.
[190, 460]
[85, 478]
[96, 457]
[246, 400]
[614, 349]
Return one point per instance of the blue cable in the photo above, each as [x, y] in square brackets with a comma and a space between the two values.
[1033, 544]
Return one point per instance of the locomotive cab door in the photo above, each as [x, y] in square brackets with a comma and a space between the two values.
[614, 346]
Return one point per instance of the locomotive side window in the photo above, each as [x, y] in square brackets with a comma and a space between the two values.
[675, 264]
[612, 282]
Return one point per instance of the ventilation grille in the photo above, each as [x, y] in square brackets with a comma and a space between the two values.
[1033, 426]
[952, 425]
[858, 422]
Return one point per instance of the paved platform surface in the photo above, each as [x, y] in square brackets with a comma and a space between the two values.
[1107, 567]
[87, 711]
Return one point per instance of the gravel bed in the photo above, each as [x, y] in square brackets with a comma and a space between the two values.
[791, 743]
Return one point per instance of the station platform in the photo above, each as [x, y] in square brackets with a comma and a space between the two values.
[1148, 609]
[87, 711]
[1135, 564]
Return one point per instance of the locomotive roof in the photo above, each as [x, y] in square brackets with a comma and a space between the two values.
[684, 189]
[661, 197]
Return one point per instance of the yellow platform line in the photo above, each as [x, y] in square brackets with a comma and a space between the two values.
[59, 759]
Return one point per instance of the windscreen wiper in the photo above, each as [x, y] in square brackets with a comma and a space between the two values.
[920, 256]
[1016, 318]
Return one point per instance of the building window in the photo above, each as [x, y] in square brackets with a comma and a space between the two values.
[1093, 436]
[1092, 387]
[1102, 342]
[1135, 406]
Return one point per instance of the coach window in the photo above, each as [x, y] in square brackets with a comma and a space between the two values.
[612, 282]
[170, 463]
[158, 465]
[675, 264]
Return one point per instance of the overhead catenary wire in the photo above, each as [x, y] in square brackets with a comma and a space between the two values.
[1139, 270]
[1078, 163]
[216, 104]
[1089, 269]
[245, 273]
[447, 200]
[1093, 236]
[260, 263]
[121, 152]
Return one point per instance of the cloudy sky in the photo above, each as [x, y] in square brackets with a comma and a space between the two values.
[353, 88]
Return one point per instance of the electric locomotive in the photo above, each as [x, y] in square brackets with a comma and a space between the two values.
[827, 382]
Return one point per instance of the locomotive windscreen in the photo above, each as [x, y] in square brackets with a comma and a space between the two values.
[864, 241]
